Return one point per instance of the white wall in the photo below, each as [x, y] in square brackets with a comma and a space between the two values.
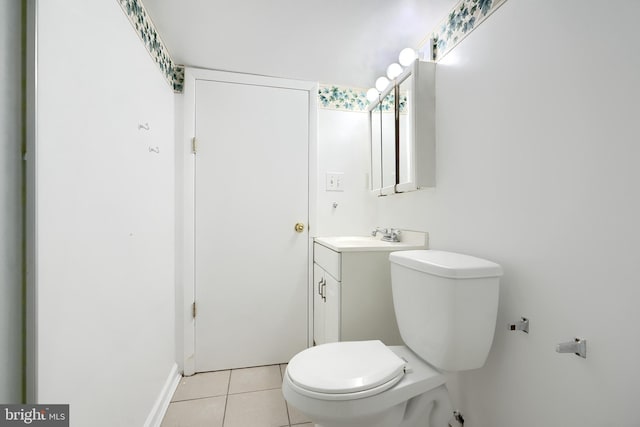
[10, 203]
[104, 216]
[343, 140]
[537, 156]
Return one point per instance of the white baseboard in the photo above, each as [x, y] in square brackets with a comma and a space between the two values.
[164, 398]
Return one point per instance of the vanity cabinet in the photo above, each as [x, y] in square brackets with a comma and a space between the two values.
[352, 296]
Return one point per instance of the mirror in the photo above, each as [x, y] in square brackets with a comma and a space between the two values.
[403, 133]
[382, 120]
[388, 140]
[405, 143]
[376, 149]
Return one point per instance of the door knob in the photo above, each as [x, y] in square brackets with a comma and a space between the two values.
[299, 227]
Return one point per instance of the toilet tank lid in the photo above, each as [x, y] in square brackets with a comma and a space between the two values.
[446, 264]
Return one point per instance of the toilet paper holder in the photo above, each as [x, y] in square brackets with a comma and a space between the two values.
[520, 325]
[578, 346]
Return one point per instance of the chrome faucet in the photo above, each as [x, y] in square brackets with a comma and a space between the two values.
[388, 234]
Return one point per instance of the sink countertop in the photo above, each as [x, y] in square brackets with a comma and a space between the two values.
[408, 240]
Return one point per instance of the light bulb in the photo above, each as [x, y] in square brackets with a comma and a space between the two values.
[373, 94]
[407, 56]
[382, 83]
[393, 71]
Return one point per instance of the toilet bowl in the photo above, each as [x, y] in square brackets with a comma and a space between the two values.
[377, 394]
[446, 307]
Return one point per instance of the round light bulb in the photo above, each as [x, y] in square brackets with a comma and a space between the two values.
[373, 94]
[407, 56]
[382, 83]
[393, 71]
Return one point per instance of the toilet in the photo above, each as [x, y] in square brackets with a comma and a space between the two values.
[446, 306]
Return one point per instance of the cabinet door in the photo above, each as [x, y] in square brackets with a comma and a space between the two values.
[331, 309]
[416, 133]
[318, 305]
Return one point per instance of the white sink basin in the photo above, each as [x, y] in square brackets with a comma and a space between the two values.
[357, 241]
[410, 240]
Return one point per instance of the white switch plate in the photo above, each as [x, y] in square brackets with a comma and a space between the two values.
[335, 181]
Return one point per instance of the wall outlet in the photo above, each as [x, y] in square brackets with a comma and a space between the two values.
[335, 181]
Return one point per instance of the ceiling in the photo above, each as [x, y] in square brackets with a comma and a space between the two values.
[343, 42]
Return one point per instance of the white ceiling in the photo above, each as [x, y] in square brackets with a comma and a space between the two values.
[344, 42]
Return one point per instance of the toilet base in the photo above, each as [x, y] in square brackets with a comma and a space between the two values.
[430, 409]
[389, 418]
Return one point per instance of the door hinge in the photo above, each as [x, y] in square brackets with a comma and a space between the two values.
[193, 309]
[194, 145]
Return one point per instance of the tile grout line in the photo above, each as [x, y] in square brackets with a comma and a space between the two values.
[253, 391]
[197, 398]
[286, 405]
[226, 398]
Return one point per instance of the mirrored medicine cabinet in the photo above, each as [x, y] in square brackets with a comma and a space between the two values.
[402, 132]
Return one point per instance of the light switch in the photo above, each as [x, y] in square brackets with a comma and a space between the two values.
[335, 181]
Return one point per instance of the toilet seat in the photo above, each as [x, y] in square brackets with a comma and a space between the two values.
[345, 370]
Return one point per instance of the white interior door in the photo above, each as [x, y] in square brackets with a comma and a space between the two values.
[251, 188]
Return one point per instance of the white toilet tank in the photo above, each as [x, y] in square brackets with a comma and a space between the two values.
[446, 306]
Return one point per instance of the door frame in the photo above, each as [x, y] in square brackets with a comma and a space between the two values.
[185, 199]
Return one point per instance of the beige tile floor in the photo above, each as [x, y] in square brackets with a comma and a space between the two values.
[249, 397]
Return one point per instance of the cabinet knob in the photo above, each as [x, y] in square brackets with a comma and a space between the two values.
[299, 227]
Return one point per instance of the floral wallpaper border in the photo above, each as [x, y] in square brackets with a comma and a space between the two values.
[466, 16]
[334, 97]
[149, 36]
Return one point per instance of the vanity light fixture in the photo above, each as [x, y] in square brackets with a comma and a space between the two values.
[373, 94]
[407, 56]
[382, 83]
[394, 70]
